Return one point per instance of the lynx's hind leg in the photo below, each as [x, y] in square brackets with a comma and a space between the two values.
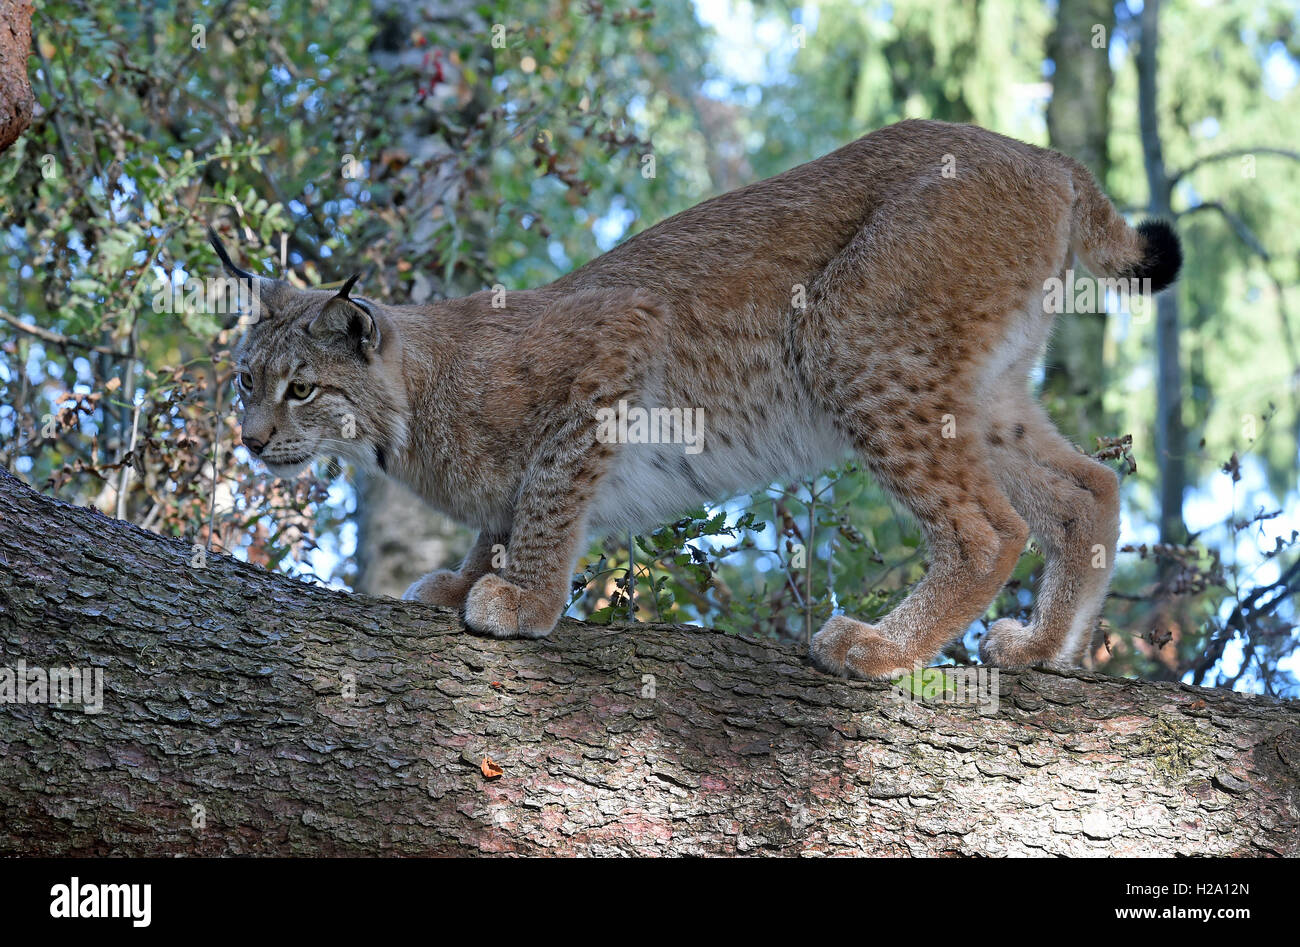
[973, 534]
[1072, 505]
[901, 333]
[900, 384]
[1070, 500]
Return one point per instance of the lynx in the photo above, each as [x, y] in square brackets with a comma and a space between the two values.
[884, 302]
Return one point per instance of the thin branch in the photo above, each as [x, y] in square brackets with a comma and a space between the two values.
[1229, 155]
[54, 338]
[1247, 236]
[1238, 225]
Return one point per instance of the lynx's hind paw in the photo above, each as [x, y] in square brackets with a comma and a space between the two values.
[1010, 643]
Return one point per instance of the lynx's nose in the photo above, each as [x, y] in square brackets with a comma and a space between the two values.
[253, 444]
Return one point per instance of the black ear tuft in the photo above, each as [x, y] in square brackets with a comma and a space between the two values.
[1162, 255]
[226, 262]
[258, 293]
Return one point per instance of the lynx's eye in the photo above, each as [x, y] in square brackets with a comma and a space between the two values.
[301, 390]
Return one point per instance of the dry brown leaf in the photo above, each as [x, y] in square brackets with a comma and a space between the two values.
[490, 769]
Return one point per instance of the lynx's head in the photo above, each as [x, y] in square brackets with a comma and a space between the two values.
[317, 373]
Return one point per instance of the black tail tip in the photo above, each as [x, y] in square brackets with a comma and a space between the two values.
[1162, 255]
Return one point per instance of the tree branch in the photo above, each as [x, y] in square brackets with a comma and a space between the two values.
[1239, 227]
[1247, 236]
[54, 338]
[248, 713]
[1228, 156]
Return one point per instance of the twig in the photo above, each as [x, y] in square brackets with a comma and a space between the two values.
[1238, 225]
[54, 338]
[631, 577]
[124, 478]
[1247, 236]
[1228, 155]
[808, 563]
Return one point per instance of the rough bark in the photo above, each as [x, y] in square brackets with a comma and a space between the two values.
[224, 688]
[16, 97]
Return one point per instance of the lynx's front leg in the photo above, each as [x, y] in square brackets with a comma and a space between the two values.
[546, 536]
[548, 525]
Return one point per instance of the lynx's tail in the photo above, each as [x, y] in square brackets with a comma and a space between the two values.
[1110, 247]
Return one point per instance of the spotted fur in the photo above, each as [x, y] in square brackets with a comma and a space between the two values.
[884, 302]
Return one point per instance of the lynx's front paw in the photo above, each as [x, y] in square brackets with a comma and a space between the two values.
[443, 587]
[855, 649]
[504, 610]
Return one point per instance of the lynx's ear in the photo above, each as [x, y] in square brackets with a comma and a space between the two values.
[346, 318]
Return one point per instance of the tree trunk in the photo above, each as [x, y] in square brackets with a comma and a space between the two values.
[399, 536]
[1170, 434]
[16, 98]
[249, 713]
[1078, 123]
